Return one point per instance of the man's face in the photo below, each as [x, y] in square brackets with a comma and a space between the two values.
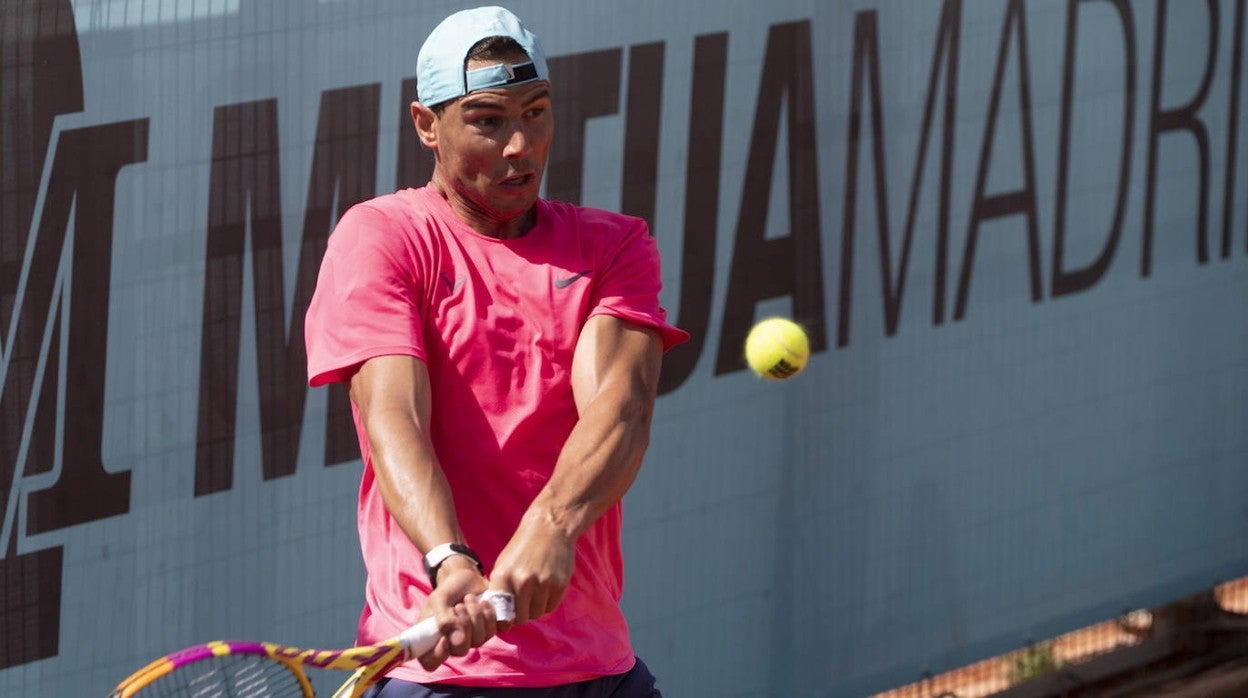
[492, 146]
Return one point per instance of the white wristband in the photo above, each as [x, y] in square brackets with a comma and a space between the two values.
[436, 556]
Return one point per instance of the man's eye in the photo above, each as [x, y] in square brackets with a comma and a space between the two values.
[487, 122]
[536, 112]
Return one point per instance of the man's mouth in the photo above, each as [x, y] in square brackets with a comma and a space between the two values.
[518, 180]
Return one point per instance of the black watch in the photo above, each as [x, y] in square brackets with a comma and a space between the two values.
[435, 557]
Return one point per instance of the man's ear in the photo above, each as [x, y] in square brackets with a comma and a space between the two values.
[425, 122]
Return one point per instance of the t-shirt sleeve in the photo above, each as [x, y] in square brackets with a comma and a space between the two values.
[629, 287]
[366, 302]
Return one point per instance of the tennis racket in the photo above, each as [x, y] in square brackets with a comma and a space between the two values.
[224, 669]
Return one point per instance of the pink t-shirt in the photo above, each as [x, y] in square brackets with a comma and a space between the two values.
[496, 322]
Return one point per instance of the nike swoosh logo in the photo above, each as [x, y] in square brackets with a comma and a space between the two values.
[451, 286]
[566, 282]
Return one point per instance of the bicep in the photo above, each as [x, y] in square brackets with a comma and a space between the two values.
[389, 387]
[615, 356]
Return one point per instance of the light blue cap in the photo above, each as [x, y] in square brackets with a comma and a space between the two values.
[440, 74]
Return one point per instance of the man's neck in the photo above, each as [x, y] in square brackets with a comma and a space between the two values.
[486, 222]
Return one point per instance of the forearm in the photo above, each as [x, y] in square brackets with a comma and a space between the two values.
[392, 395]
[598, 463]
[412, 484]
[614, 382]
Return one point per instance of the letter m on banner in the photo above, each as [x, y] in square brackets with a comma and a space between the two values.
[54, 298]
[244, 213]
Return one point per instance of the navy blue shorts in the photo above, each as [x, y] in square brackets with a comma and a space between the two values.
[637, 683]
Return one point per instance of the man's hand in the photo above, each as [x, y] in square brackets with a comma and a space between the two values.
[464, 621]
[535, 567]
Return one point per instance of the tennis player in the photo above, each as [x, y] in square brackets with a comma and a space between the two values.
[502, 353]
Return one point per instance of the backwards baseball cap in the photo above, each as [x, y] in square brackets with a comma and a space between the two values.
[440, 73]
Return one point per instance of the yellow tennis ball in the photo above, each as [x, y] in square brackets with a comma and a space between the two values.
[777, 348]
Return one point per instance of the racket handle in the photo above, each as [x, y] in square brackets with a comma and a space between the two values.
[422, 637]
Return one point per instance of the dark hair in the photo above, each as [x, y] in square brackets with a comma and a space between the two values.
[494, 48]
[491, 48]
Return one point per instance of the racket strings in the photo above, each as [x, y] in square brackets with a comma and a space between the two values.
[231, 676]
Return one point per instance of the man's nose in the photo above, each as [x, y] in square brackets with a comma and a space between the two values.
[517, 143]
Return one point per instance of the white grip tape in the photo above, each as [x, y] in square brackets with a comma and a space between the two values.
[422, 637]
[504, 604]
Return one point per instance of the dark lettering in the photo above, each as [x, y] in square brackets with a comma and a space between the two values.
[1232, 134]
[244, 192]
[1074, 281]
[30, 617]
[344, 173]
[866, 56]
[1013, 202]
[589, 86]
[641, 131]
[792, 265]
[40, 77]
[31, 614]
[1182, 118]
[414, 165]
[701, 218]
[244, 200]
[84, 180]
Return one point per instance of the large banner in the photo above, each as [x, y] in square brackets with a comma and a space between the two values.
[1016, 231]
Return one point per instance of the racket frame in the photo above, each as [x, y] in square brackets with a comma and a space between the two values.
[369, 662]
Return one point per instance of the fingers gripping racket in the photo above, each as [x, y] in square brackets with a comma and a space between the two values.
[224, 669]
